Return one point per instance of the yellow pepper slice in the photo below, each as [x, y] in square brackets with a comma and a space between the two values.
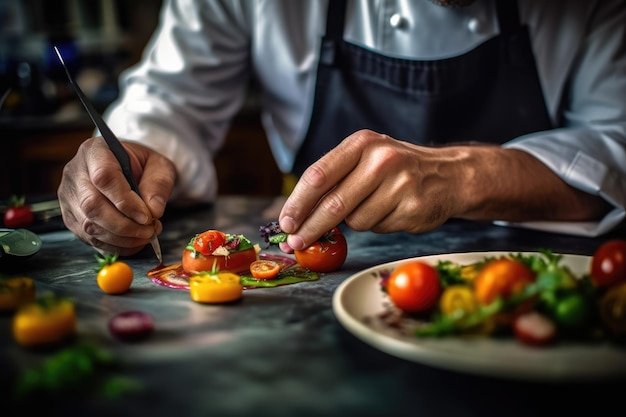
[613, 309]
[15, 291]
[457, 297]
[44, 322]
[221, 287]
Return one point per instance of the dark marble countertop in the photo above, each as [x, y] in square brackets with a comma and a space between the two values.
[280, 351]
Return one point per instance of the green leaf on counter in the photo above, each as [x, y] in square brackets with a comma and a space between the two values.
[291, 275]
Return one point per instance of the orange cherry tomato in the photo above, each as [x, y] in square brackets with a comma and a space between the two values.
[608, 264]
[414, 287]
[15, 291]
[220, 287]
[326, 255]
[264, 269]
[47, 321]
[501, 278]
[209, 241]
[114, 277]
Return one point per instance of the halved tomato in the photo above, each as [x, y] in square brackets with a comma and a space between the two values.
[264, 269]
[236, 262]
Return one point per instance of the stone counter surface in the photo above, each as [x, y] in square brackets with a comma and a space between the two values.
[279, 351]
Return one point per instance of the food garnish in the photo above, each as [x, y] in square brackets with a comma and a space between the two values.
[114, 276]
[327, 254]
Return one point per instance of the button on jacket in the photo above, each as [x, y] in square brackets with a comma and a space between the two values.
[192, 80]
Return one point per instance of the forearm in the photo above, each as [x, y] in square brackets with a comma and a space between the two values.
[512, 185]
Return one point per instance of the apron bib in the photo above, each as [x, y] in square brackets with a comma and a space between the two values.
[491, 94]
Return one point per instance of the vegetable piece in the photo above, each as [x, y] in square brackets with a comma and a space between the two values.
[534, 329]
[18, 214]
[47, 321]
[15, 291]
[608, 263]
[572, 311]
[235, 255]
[218, 287]
[131, 326]
[206, 243]
[414, 287]
[264, 269]
[457, 298]
[501, 277]
[613, 309]
[328, 254]
[114, 277]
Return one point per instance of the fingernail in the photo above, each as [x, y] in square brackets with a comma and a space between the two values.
[295, 242]
[140, 217]
[287, 224]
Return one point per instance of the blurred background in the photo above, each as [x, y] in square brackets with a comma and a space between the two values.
[42, 123]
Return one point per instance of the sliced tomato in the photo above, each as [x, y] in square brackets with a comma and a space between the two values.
[264, 269]
[414, 287]
[236, 262]
[207, 242]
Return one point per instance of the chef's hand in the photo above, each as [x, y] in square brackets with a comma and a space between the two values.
[376, 183]
[98, 205]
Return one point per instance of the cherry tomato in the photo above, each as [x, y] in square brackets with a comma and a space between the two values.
[207, 242]
[608, 264]
[613, 309]
[326, 255]
[47, 321]
[15, 291]
[18, 214]
[264, 269]
[501, 278]
[414, 287]
[220, 287]
[457, 297]
[114, 277]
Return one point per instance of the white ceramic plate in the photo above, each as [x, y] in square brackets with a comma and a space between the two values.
[359, 298]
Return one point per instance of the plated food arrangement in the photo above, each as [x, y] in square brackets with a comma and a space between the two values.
[531, 315]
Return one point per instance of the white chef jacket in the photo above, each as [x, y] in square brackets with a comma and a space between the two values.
[193, 76]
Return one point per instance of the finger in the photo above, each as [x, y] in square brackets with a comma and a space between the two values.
[106, 175]
[157, 180]
[319, 179]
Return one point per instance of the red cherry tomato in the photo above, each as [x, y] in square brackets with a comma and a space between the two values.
[264, 269]
[501, 278]
[326, 255]
[414, 287]
[608, 264]
[208, 241]
[18, 214]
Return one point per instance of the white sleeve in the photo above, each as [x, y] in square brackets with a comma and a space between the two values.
[191, 81]
[589, 151]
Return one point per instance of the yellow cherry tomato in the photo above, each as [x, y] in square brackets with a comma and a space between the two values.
[457, 298]
[220, 287]
[15, 291]
[114, 277]
[47, 321]
[613, 309]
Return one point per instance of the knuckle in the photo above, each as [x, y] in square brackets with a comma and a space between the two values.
[333, 203]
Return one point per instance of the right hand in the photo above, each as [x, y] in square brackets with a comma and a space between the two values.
[98, 205]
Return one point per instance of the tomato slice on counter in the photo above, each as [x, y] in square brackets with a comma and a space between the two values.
[264, 269]
[220, 287]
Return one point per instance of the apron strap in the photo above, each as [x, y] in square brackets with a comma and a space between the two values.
[335, 19]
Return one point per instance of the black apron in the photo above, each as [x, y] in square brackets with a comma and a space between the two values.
[490, 94]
